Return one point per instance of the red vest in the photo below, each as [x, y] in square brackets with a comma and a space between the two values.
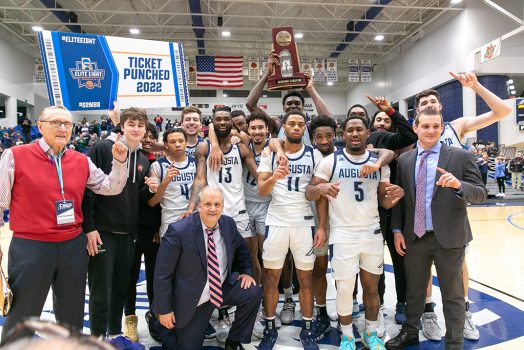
[36, 190]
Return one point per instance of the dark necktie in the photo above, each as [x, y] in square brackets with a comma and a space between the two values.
[213, 270]
[420, 200]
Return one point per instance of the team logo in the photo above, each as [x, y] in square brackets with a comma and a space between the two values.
[490, 51]
[87, 73]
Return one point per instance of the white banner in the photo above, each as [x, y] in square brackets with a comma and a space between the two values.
[365, 71]
[191, 69]
[331, 70]
[353, 71]
[39, 76]
[319, 64]
[263, 65]
[306, 66]
[253, 68]
[490, 50]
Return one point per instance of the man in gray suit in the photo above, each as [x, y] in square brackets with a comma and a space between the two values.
[431, 225]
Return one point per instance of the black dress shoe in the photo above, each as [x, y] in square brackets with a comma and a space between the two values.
[232, 345]
[401, 340]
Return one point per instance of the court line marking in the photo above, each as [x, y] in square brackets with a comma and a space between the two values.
[497, 290]
[509, 220]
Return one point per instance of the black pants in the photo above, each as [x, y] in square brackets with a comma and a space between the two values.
[144, 246]
[502, 185]
[34, 267]
[108, 279]
[484, 178]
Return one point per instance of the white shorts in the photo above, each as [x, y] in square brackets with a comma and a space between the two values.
[279, 239]
[323, 251]
[348, 258]
[244, 228]
[257, 212]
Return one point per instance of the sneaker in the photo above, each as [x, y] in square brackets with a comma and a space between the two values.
[287, 315]
[356, 334]
[333, 317]
[322, 326]
[381, 329]
[400, 313]
[470, 330]
[124, 343]
[224, 325]
[356, 309]
[347, 343]
[372, 341]
[131, 327]
[210, 331]
[258, 329]
[278, 321]
[268, 340]
[430, 327]
[307, 338]
[151, 320]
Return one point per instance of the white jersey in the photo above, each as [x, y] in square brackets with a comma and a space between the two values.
[229, 179]
[449, 137]
[289, 206]
[176, 197]
[250, 184]
[191, 150]
[353, 215]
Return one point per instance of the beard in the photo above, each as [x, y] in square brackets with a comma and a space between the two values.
[223, 133]
[293, 140]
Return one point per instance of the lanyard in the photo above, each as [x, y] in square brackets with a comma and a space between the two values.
[58, 165]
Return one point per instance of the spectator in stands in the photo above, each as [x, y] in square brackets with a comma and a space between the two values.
[500, 175]
[158, 122]
[516, 167]
[26, 130]
[482, 163]
[492, 149]
[7, 141]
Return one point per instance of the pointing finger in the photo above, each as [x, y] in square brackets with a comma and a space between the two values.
[442, 171]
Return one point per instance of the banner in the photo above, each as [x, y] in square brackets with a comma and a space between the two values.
[365, 71]
[331, 70]
[39, 76]
[306, 66]
[253, 68]
[263, 65]
[353, 71]
[89, 72]
[490, 50]
[191, 69]
[320, 69]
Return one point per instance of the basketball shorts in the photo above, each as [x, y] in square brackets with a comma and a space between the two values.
[349, 258]
[279, 239]
[257, 212]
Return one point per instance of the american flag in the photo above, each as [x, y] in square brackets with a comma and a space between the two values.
[219, 71]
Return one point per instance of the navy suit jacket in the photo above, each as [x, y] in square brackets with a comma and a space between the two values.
[181, 265]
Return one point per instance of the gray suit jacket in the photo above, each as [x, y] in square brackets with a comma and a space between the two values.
[450, 219]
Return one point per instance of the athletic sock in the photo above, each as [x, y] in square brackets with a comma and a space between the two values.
[429, 307]
[371, 326]
[322, 310]
[270, 322]
[306, 323]
[288, 293]
[347, 330]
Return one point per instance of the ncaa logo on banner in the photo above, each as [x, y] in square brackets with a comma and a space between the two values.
[87, 74]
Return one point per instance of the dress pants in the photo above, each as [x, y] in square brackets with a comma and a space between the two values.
[448, 263]
[192, 335]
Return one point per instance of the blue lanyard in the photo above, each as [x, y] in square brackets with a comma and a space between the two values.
[58, 165]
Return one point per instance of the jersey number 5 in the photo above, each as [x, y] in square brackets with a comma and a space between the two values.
[359, 191]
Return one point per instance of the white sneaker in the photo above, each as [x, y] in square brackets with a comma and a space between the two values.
[333, 317]
[430, 327]
[287, 315]
[381, 329]
[278, 321]
[223, 329]
[470, 330]
[258, 329]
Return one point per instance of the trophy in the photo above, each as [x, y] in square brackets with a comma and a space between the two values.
[287, 75]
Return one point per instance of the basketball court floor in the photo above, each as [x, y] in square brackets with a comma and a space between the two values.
[496, 267]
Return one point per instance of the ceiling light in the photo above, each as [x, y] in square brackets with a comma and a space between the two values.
[299, 35]
[264, 95]
[226, 33]
[134, 31]
[329, 83]
[453, 2]
[379, 37]
[37, 28]
[510, 81]
[512, 87]
[225, 95]
[513, 92]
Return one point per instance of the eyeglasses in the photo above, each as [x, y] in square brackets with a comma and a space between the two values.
[57, 124]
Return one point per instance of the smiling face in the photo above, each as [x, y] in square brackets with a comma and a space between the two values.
[210, 206]
[355, 136]
[55, 137]
[257, 130]
[191, 123]
[134, 130]
[429, 102]
[324, 138]
[293, 102]
[222, 123]
[382, 122]
[428, 128]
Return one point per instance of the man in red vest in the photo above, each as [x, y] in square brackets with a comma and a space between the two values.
[43, 184]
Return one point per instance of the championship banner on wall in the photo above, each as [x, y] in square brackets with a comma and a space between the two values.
[331, 70]
[191, 69]
[89, 72]
[353, 71]
[320, 69]
[263, 65]
[365, 71]
[39, 76]
[253, 68]
[306, 66]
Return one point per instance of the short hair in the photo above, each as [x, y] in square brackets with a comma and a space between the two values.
[426, 93]
[429, 112]
[294, 111]
[222, 109]
[153, 130]
[358, 105]
[372, 121]
[133, 113]
[209, 189]
[190, 109]
[323, 120]
[257, 116]
[51, 109]
[361, 118]
[172, 131]
[237, 113]
[293, 93]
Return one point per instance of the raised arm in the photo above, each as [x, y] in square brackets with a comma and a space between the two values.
[498, 108]
[258, 89]
[201, 176]
[320, 105]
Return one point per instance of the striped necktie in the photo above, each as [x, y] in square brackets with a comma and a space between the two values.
[420, 199]
[213, 270]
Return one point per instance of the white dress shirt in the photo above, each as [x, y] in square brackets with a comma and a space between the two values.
[220, 248]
